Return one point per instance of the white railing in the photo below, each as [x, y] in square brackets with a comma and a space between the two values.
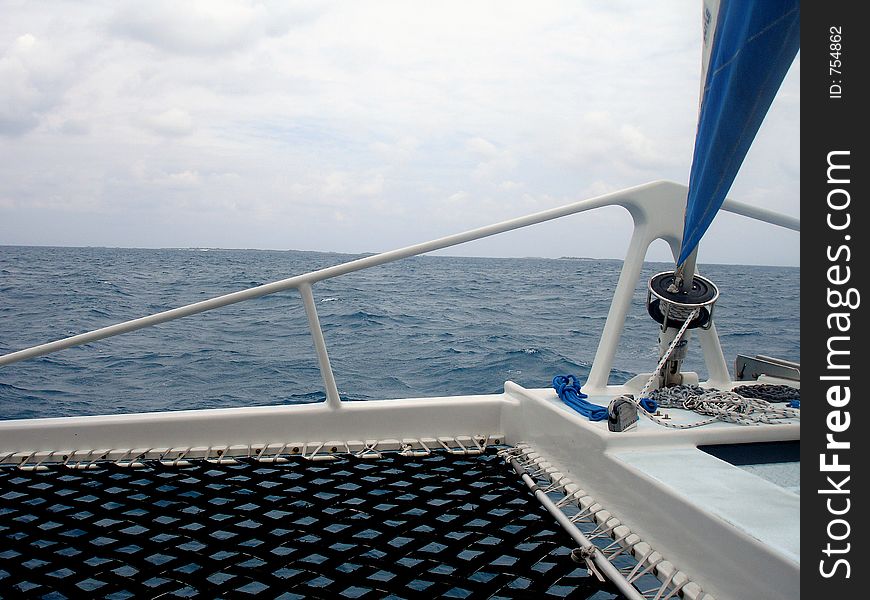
[656, 209]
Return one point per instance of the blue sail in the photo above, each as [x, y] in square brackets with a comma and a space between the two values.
[749, 46]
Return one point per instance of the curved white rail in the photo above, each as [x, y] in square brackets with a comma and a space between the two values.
[652, 207]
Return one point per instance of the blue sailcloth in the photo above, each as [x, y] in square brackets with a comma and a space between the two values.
[748, 48]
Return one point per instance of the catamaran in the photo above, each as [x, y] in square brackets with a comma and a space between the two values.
[667, 486]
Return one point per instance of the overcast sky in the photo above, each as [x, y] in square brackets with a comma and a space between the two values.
[362, 126]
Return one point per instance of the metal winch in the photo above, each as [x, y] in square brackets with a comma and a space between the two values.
[670, 302]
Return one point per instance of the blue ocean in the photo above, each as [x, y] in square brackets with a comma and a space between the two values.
[426, 326]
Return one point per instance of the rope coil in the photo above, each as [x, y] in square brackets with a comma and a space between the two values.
[745, 405]
[723, 406]
[568, 389]
[718, 405]
[769, 392]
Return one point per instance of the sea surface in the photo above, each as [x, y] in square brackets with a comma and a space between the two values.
[425, 326]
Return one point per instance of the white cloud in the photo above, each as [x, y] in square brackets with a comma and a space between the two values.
[459, 198]
[33, 82]
[274, 117]
[75, 127]
[399, 150]
[493, 162]
[171, 122]
[179, 179]
[482, 147]
[198, 26]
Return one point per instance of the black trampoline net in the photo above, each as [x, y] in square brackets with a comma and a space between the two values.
[397, 527]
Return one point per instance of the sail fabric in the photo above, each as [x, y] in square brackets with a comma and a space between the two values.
[749, 46]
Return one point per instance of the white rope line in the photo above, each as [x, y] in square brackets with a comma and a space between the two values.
[604, 528]
[665, 584]
[178, 456]
[369, 451]
[632, 575]
[725, 406]
[655, 374]
[718, 405]
[667, 354]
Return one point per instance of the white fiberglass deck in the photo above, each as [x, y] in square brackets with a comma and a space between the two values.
[734, 526]
[750, 503]
[744, 497]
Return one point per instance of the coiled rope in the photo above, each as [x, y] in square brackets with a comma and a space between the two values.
[769, 392]
[746, 405]
[719, 405]
[723, 406]
[568, 388]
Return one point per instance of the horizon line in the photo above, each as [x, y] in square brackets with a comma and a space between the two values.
[434, 254]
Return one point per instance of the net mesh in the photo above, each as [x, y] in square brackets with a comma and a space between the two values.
[398, 527]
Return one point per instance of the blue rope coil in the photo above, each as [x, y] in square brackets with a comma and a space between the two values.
[568, 388]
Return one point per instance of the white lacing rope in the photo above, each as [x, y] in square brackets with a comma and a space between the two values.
[719, 405]
[605, 528]
[725, 406]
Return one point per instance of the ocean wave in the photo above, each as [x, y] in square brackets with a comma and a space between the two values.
[429, 327]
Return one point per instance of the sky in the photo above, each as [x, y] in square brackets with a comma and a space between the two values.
[363, 126]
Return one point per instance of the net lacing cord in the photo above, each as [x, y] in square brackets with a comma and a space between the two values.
[603, 530]
[720, 405]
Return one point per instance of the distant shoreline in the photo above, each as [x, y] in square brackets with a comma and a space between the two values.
[363, 254]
